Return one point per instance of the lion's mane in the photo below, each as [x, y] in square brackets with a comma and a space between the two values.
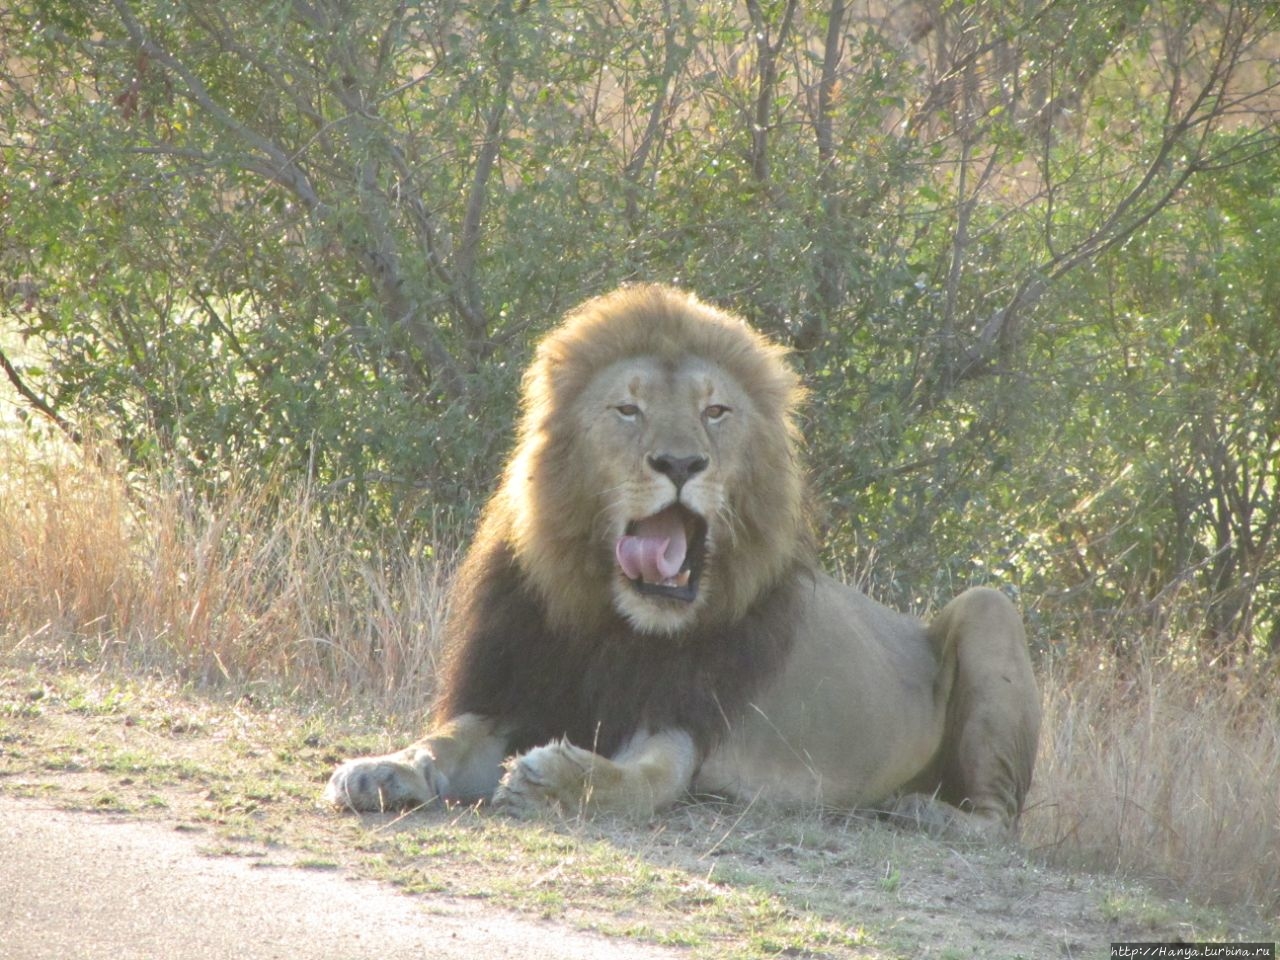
[533, 635]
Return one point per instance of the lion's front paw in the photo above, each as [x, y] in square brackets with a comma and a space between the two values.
[399, 781]
[557, 776]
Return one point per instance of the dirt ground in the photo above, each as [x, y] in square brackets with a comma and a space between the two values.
[83, 886]
[138, 822]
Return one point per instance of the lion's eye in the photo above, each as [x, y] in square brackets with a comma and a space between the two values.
[715, 413]
[627, 411]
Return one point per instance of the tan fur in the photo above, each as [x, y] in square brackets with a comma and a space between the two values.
[840, 701]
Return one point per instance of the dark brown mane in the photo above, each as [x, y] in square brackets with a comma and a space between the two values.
[503, 658]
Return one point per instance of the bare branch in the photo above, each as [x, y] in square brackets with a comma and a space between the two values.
[829, 282]
[271, 160]
[674, 56]
[767, 52]
[466, 292]
[35, 401]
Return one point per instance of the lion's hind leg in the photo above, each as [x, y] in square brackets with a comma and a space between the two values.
[460, 760]
[651, 772]
[992, 714]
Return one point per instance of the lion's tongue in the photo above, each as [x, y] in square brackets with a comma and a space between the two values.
[655, 552]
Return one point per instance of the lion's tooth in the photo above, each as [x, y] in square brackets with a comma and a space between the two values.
[681, 579]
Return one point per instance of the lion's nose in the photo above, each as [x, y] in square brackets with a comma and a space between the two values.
[679, 469]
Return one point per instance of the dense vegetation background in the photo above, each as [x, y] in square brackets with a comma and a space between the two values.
[1025, 252]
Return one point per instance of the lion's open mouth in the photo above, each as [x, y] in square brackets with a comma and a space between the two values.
[661, 555]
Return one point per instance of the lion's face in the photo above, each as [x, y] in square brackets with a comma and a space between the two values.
[655, 474]
[665, 444]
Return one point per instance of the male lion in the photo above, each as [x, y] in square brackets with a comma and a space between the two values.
[641, 615]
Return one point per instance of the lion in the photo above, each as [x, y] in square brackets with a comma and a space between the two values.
[641, 617]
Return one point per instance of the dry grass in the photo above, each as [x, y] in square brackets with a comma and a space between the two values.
[1160, 776]
[1165, 776]
[249, 587]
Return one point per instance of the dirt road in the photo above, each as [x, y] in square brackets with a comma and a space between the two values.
[82, 886]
